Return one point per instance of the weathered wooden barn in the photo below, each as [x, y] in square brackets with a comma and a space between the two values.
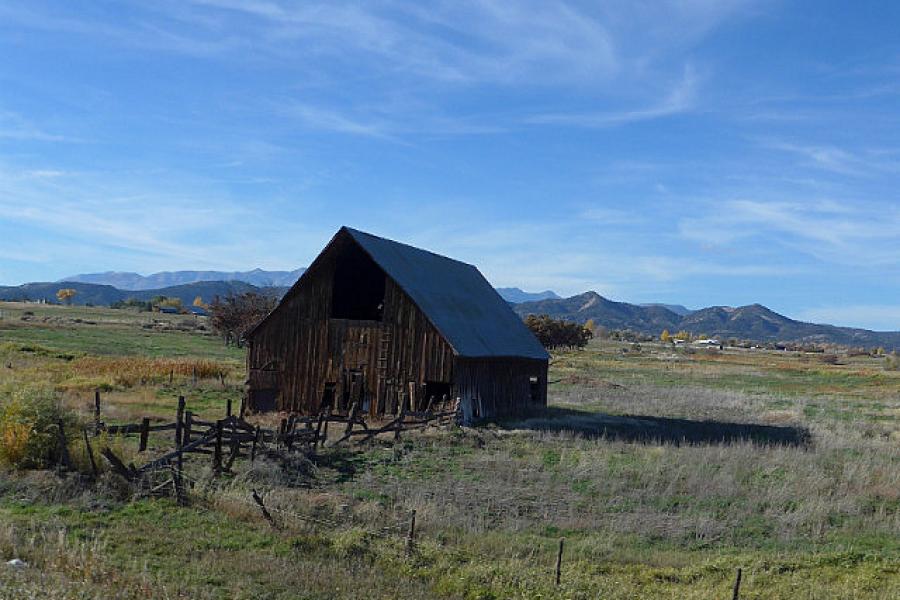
[379, 323]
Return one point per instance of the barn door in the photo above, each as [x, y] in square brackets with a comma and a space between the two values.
[353, 389]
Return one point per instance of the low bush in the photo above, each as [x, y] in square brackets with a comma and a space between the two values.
[29, 428]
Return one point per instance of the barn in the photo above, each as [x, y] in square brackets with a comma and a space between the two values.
[381, 324]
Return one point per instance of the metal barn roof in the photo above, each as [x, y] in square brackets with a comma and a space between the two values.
[456, 298]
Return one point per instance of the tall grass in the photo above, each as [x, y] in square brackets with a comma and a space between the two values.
[138, 370]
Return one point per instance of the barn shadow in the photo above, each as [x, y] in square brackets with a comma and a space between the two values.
[649, 429]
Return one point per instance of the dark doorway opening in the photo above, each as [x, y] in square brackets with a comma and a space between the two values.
[327, 396]
[436, 394]
[534, 386]
[264, 400]
[358, 288]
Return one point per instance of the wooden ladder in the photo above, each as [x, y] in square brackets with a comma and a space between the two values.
[384, 347]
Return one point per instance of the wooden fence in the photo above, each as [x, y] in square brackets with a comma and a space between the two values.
[232, 437]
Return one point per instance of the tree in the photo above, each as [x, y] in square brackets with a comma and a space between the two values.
[166, 301]
[65, 295]
[683, 335]
[553, 333]
[590, 326]
[233, 316]
[198, 302]
[665, 336]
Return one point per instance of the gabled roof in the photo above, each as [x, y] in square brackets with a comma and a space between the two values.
[455, 297]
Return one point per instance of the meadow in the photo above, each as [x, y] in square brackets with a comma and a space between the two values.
[664, 470]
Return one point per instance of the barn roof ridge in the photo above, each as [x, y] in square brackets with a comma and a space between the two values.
[359, 232]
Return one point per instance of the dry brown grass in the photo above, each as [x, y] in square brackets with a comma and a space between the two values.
[133, 371]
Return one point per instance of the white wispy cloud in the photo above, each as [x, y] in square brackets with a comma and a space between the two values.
[681, 98]
[848, 232]
[123, 215]
[14, 126]
[842, 161]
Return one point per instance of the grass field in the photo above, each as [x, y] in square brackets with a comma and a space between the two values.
[644, 513]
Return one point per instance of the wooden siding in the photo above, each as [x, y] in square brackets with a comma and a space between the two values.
[497, 387]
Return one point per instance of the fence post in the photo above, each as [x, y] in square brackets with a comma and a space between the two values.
[319, 424]
[178, 483]
[325, 428]
[265, 511]
[255, 442]
[217, 452]
[90, 453]
[411, 533]
[96, 413]
[179, 422]
[145, 432]
[228, 407]
[351, 417]
[559, 560]
[65, 459]
[179, 444]
[736, 593]
[400, 418]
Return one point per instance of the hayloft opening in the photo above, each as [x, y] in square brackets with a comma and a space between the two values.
[358, 287]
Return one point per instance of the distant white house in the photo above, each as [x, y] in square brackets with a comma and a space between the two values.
[707, 342]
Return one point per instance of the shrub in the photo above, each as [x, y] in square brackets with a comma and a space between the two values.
[892, 362]
[29, 421]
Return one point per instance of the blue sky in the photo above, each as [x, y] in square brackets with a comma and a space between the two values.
[699, 152]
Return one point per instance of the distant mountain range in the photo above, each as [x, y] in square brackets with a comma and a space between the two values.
[754, 322]
[257, 277]
[675, 308]
[515, 295]
[165, 279]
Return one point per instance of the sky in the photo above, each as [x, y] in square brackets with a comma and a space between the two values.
[700, 152]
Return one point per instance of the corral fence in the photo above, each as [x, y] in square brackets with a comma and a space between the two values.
[232, 437]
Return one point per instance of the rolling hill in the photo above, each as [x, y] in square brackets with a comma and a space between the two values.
[104, 295]
[753, 322]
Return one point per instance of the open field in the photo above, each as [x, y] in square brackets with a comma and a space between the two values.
[666, 506]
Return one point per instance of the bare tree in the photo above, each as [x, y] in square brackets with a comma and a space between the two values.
[233, 316]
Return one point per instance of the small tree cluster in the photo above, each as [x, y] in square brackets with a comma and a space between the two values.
[235, 315]
[65, 295]
[142, 305]
[556, 333]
